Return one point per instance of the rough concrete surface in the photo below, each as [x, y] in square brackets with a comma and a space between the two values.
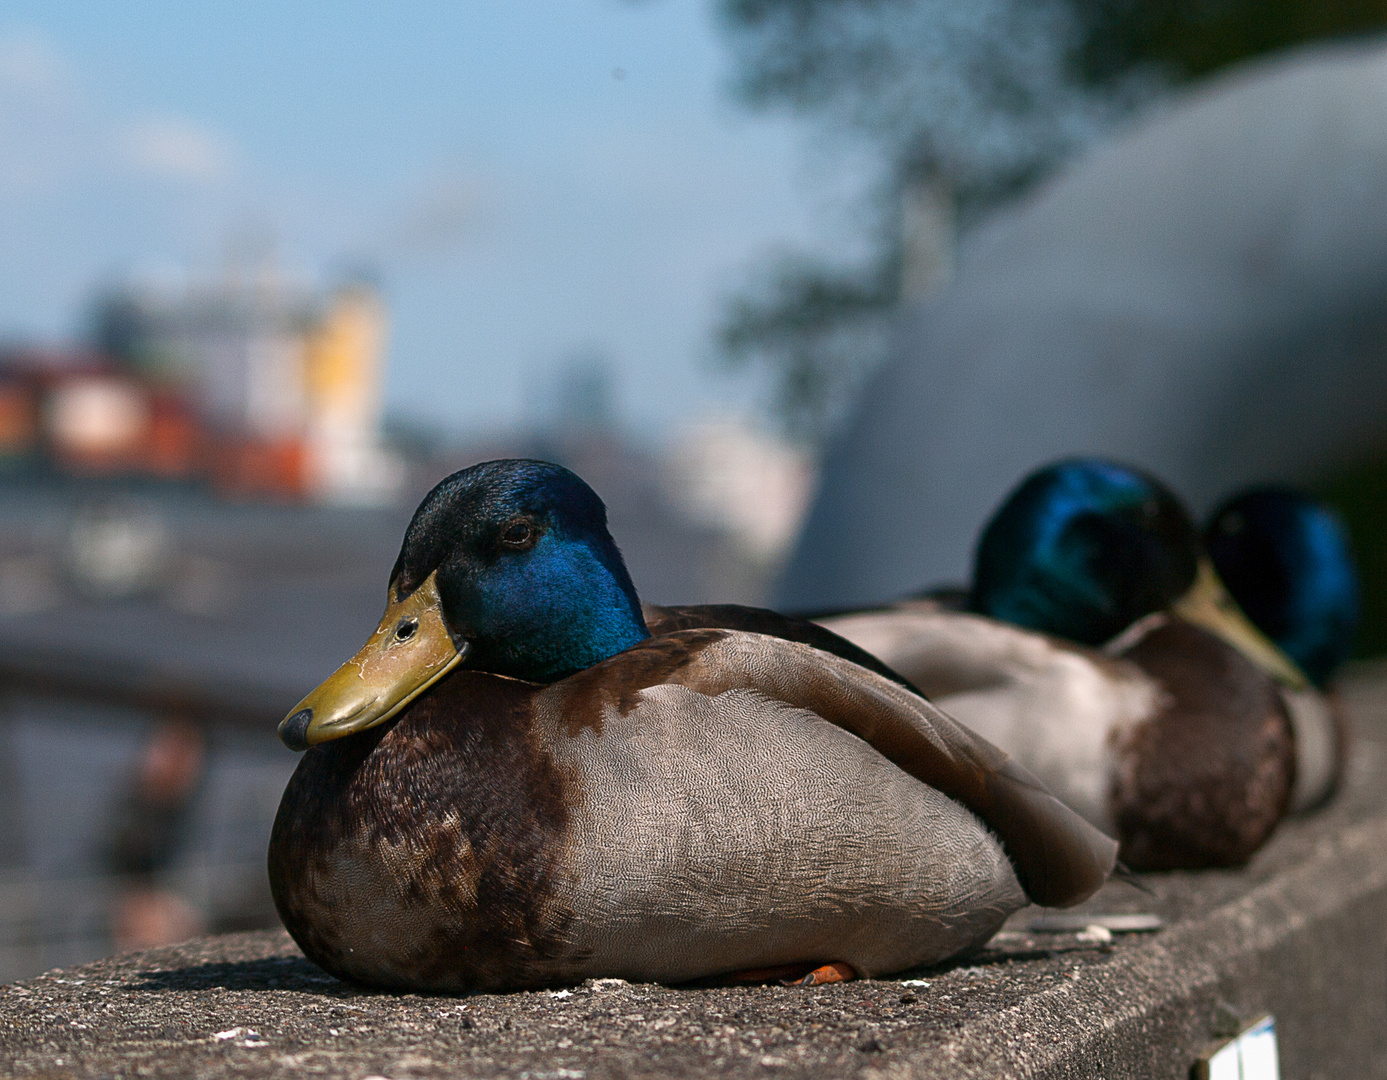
[1300, 933]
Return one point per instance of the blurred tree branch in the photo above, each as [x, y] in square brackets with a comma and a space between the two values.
[1189, 39]
[810, 323]
[981, 98]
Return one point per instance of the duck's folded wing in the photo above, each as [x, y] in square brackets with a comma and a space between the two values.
[1053, 705]
[1059, 858]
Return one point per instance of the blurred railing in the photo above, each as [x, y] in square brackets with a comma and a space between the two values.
[131, 685]
[49, 920]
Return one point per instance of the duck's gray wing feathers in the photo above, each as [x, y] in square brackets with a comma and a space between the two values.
[1059, 858]
[1055, 706]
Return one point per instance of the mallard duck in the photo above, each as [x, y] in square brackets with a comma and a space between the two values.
[1288, 561]
[1103, 653]
[516, 784]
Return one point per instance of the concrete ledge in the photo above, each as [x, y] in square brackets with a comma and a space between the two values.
[1301, 933]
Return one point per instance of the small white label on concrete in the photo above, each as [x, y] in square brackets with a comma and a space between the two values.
[1224, 1065]
[1257, 1049]
[1251, 1056]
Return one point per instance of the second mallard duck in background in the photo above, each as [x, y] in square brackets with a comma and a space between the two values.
[1104, 654]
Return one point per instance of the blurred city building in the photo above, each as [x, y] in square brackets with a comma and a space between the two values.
[253, 387]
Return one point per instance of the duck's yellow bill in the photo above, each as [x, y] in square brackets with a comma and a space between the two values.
[1208, 604]
[409, 652]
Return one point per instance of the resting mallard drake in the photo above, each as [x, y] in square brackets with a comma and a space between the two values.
[1288, 561]
[1104, 655]
[515, 784]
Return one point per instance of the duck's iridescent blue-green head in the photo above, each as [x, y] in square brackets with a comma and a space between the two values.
[1082, 549]
[506, 567]
[1287, 560]
[527, 571]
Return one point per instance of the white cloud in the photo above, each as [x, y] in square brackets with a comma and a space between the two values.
[41, 122]
[53, 133]
[31, 67]
[174, 148]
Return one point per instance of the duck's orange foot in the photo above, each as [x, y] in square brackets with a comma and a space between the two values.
[829, 973]
[785, 974]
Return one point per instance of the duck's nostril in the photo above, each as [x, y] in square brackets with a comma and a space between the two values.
[406, 629]
[294, 732]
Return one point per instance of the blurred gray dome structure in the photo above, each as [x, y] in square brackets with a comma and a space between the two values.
[1204, 295]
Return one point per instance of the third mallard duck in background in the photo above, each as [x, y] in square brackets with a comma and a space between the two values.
[1287, 560]
[1104, 654]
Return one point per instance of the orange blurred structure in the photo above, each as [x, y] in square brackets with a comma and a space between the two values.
[83, 415]
[260, 468]
[19, 420]
[175, 444]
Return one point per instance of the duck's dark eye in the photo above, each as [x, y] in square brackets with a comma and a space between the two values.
[1150, 508]
[404, 630]
[518, 535]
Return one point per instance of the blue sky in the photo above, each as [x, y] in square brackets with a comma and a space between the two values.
[531, 180]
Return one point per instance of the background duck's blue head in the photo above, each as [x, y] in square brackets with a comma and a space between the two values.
[1287, 560]
[527, 572]
[1082, 549]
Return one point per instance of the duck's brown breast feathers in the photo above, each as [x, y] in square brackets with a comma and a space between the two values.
[437, 838]
[1204, 782]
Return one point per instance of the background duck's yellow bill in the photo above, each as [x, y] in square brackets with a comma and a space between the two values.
[409, 652]
[1209, 604]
